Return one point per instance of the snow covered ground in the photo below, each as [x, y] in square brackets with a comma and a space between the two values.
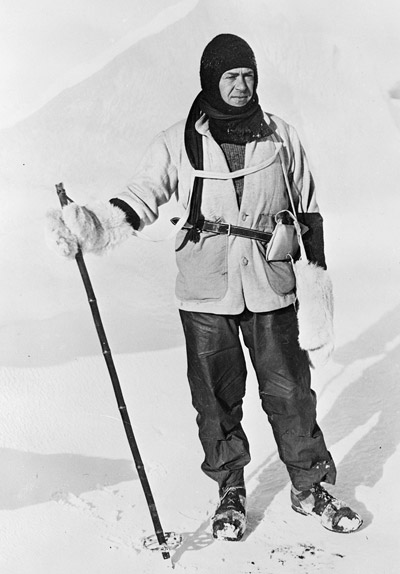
[70, 499]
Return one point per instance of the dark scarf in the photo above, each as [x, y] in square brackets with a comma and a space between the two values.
[228, 124]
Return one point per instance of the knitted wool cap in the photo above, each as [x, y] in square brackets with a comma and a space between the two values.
[224, 52]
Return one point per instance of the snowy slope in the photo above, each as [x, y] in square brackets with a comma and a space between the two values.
[71, 498]
[48, 46]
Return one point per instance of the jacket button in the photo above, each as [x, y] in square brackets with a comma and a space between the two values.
[244, 216]
[244, 261]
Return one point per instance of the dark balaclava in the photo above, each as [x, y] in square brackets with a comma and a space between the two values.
[224, 52]
[229, 123]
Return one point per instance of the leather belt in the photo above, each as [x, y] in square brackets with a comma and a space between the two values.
[229, 229]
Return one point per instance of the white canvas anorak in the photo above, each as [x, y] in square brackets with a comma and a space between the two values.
[225, 273]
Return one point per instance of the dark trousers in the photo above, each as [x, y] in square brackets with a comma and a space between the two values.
[217, 378]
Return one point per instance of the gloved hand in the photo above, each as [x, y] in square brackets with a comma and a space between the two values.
[96, 228]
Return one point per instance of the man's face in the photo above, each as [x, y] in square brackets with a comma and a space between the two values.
[236, 86]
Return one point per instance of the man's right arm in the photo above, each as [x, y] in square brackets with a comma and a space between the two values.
[101, 226]
[154, 183]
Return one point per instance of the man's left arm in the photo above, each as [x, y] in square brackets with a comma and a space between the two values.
[303, 187]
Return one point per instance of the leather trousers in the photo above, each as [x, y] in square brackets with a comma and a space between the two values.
[217, 377]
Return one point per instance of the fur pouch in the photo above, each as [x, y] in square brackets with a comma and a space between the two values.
[315, 312]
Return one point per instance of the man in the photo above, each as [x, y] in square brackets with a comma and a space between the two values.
[227, 164]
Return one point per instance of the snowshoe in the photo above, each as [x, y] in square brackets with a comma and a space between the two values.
[229, 520]
[332, 513]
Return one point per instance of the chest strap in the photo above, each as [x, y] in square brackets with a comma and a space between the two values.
[239, 172]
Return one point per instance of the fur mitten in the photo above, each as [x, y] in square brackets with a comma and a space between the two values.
[58, 236]
[315, 312]
[96, 228]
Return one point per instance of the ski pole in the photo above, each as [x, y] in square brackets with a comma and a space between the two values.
[161, 537]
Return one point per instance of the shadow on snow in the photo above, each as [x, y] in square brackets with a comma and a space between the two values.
[30, 478]
[374, 393]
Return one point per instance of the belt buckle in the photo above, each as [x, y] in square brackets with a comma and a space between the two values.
[229, 229]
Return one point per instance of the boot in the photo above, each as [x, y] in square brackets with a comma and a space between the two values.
[229, 520]
[332, 513]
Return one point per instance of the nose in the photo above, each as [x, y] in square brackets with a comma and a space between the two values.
[241, 85]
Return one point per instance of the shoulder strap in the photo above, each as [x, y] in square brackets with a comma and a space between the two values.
[278, 145]
[296, 223]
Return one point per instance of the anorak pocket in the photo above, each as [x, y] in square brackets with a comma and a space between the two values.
[202, 267]
[280, 276]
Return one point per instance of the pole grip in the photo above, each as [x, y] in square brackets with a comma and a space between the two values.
[62, 195]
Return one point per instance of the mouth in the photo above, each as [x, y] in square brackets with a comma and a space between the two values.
[240, 99]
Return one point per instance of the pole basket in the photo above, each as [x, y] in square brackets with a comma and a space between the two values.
[172, 540]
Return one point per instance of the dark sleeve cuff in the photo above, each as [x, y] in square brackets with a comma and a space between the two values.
[314, 238]
[131, 216]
